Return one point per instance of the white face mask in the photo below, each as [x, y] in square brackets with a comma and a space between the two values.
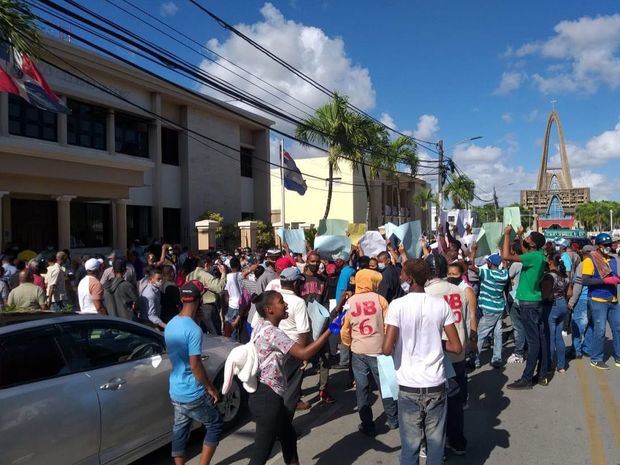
[321, 268]
[405, 286]
[608, 250]
[381, 266]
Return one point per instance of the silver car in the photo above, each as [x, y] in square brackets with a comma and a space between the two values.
[82, 389]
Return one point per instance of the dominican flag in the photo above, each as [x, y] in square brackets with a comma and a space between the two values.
[20, 76]
[293, 180]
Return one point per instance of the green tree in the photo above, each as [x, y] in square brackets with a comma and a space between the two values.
[18, 27]
[264, 235]
[330, 126]
[401, 154]
[461, 191]
[425, 197]
[595, 215]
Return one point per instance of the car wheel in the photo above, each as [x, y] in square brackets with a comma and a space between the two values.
[231, 405]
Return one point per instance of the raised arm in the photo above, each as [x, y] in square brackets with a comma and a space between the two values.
[506, 252]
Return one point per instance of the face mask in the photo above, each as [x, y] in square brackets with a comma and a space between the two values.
[313, 268]
[607, 250]
[454, 280]
[405, 287]
[157, 284]
[321, 268]
[381, 266]
[526, 245]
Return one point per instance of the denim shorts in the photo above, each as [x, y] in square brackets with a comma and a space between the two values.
[201, 410]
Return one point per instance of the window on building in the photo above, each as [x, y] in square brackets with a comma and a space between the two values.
[28, 121]
[172, 225]
[247, 216]
[132, 135]
[138, 223]
[170, 146]
[86, 125]
[90, 224]
[29, 356]
[246, 162]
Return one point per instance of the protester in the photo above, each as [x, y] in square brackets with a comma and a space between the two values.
[35, 272]
[149, 302]
[390, 283]
[518, 333]
[555, 290]
[233, 292]
[600, 275]
[578, 304]
[55, 283]
[363, 331]
[193, 395]
[90, 290]
[530, 306]
[26, 296]
[267, 403]
[4, 290]
[415, 324]
[120, 296]
[170, 297]
[9, 269]
[108, 273]
[209, 311]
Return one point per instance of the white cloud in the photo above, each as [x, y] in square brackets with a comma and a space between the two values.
[507, 118]
[597, 151]
[168, 9]
[511, 80]
[532, 116]
[427, 128]
[602, 187]
[387, 119]
[587, 52]
[307, 48]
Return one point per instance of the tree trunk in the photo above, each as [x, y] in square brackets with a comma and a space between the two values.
[330, 186]
[398, 200]
[367, 196]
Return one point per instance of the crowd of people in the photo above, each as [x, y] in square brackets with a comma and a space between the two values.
[435, 315]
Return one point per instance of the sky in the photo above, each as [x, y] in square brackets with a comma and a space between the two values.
[448, 70]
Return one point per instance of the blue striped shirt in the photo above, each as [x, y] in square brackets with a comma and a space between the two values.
[492, 285]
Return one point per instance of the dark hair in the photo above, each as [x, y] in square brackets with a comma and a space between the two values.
[153, 271]
[418, 270]
[258, 272]
[263, 300]
[168, 272]
[438, 265]
[384, 254]
[235, 263]
[460, 265]
[559, 264]
[538, 239]
[363, 262]
[517, 247]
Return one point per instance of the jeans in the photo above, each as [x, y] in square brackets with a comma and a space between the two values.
[537, 348]
[582, 332]
[362, 366]
[291, 369]
[558, 313]
[603, 312]
[517, 329]
[422, 416]
[272, 421]
[456, 419]
[58, 306]
[211, 319]
[345, 355]
[491, 322]
[324, 364]
[202, 410]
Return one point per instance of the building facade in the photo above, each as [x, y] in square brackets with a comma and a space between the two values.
[348, 197]
[109, 172]
[555, 199]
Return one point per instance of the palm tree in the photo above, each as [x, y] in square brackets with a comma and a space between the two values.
[18, 28]
[330, 126]
[461, 191]
[424, 197]
[402, 153]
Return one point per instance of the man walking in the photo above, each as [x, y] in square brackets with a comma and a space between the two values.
[90, 290]
[27, 295]
[55, 283]
[150, 300]
[210, 314]
[415, 324]
[120, 296]
[192, 393]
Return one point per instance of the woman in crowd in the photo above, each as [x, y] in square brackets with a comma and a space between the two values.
[267, 403]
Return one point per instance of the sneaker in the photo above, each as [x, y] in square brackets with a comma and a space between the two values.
[544, 381]
[599, 365]
[368, 431]
[457, 450]
[496, 364]
[477, 364]
[515, 358]
[519, 384]
[617, 363]
[326, 398]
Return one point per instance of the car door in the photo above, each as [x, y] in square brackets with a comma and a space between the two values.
[48, 413]
[129, 368]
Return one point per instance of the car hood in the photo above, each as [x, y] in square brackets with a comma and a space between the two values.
[216, 348]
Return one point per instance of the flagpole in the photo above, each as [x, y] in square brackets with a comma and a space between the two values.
[282, 206]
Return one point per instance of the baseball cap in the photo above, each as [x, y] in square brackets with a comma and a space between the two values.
[588, 248]
[93, 264]
[291, 274]
[538, 239]
[191, 291]
[562, 242]
[494, 259]
[283, 263]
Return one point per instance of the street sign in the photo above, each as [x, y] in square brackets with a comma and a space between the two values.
[552, 234]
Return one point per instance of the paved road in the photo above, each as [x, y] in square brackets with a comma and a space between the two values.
[573, 421]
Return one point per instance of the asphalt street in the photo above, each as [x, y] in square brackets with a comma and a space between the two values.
[573, 421]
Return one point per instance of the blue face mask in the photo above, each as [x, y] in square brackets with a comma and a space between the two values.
[381, 266]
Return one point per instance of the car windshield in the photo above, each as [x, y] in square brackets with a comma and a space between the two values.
[11, 318]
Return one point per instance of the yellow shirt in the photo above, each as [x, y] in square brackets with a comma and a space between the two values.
[588, 270]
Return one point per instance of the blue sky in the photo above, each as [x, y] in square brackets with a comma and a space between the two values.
[441, 70]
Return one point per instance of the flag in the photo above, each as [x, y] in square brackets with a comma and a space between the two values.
[293, 179]
[20, 76]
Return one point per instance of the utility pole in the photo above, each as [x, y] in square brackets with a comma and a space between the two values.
[440, 177]
[611, 221]
[495, 203]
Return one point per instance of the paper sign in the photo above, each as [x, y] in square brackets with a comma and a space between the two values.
[295, 239]
[409, 234]
[390, 230]
[512, 216]
[443, 218]
[372, 243]
[356, 231]
[328, 246]
[333, 227]
[463, 219]
[489, 239]
[387, 377]
[319, 316]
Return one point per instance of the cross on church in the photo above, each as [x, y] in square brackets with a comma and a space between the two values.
[553, 102]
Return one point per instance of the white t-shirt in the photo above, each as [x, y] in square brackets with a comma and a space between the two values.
[418, 355]
[89, 289]
[297, 322]
[273, 285]
[233, 288]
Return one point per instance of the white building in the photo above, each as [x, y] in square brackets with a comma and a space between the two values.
[109, 173]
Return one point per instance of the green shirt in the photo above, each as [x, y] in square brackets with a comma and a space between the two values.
[213, 285]
[531, 274]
